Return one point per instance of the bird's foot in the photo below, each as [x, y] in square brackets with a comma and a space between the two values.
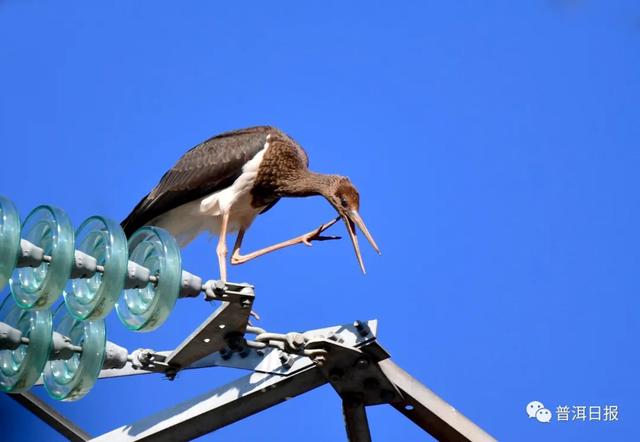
[315, 235]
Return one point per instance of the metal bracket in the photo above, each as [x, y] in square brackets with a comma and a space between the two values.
[357, 367]
[355, 374]
[269, 360]
[50, 416]
[227, 320]
[430, 412]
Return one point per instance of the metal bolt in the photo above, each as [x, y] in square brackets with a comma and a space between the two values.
[335, 375]
[286, 360]
[219, 287]
[225, 354]
[298, 339]
[362, 328]
[171, 373]
[245, 352]
[235, 341]
[144, 357]
[362, 363]
[295, 340]
[386, 395]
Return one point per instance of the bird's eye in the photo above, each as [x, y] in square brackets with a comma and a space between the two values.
[344, 202]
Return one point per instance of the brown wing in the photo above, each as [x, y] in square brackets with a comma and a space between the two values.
[206, 168]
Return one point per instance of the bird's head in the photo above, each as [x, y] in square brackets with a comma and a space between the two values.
[344, 197]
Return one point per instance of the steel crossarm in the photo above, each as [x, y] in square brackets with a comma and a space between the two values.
[219, 407]
[352, 361]
[51, 416]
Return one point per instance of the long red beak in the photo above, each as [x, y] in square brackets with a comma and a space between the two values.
[351, 219]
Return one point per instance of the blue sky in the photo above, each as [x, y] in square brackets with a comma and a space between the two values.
[494, 147]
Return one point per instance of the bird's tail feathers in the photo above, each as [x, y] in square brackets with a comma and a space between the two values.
[136, 218]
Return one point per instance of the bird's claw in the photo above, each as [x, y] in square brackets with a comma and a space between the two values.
[327, 238]
[315, 235]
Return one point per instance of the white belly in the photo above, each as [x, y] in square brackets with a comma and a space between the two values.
[186, 222]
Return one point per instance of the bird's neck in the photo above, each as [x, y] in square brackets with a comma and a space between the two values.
[309, 184]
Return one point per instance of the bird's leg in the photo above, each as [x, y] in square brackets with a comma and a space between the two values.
[221, 250]
[307, 238]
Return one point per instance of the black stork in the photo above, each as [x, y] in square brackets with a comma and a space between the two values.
[221, 185]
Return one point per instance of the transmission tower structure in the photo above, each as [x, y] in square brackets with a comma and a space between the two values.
[63, 283]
